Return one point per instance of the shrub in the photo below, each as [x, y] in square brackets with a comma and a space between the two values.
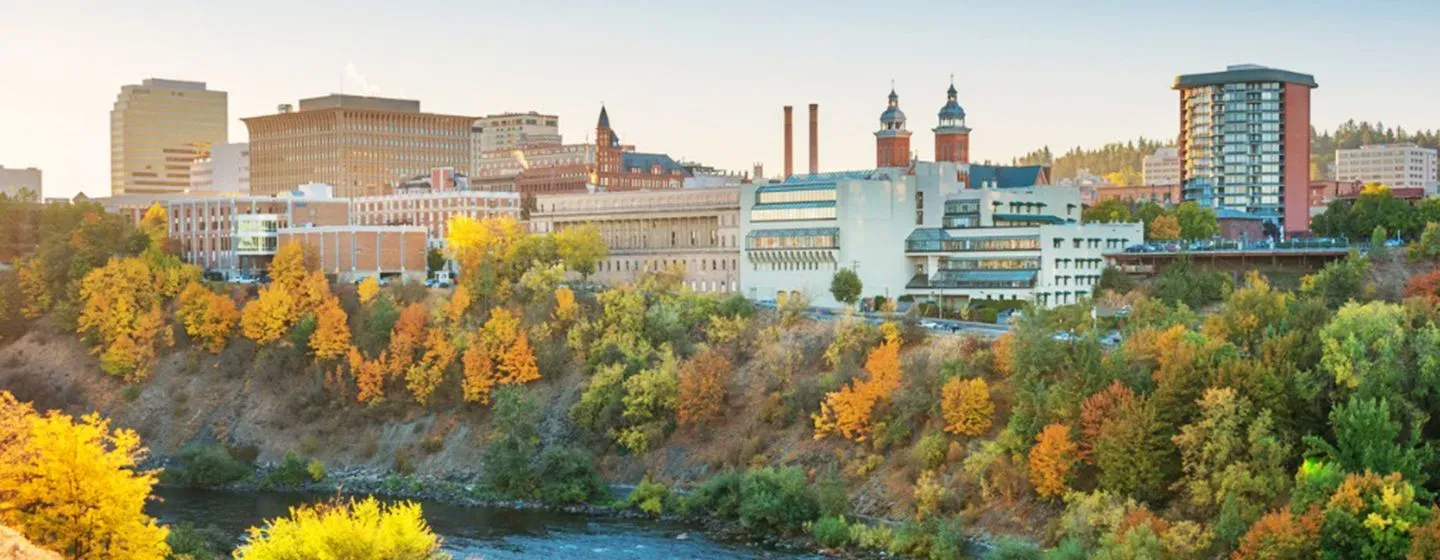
[188, 543]
[871, 537]
[931, 450]
[348, 529]
[648, 497]
[569, 477]
[719, 496]
[1011, 548]
[949, 541]
[402, 463]
[291, 472]
[831, 532]
[832, 495]
[777, 500]
[316, 469]
[911, 539]
[203, 466]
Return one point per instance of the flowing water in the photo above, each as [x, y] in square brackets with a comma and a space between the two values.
[475, 532]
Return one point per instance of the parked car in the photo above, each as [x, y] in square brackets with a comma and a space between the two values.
[1063, 336]
[1112, 339]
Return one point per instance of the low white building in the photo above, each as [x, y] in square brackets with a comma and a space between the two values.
[1395, 165]
[919, 232]
[226, 169]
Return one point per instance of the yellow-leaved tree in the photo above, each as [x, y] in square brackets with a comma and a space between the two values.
[1051, 460]
[459, 304]
[208, 317]
[580, 248]
[331, 338]
[519, 365]
[480, 375]
[37, 297]
[155, 226]
[368, 289]
[345, 530]
[966, 406]
[311, 294]
[266, 318]
[74, 487]
[484, 250]
[290, 266]
[369, 375]
[566, 310]
[424, 376]
[120, 313]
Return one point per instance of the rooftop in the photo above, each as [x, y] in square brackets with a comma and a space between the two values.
[1005, 176]
[338, 100]
[1241, 73]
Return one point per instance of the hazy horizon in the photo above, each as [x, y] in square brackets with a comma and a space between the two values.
[707, 82]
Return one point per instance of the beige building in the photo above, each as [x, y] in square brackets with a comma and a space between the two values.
[1161, 167]
[13, 181]
[693, 230]
[363, 146]
[499, 170]
[507, 131]
[432, 210]
[157, 129]
[238, 235]
[1399, 166]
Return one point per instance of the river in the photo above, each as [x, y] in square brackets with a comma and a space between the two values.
[476, 532]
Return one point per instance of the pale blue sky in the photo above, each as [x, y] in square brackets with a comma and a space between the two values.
[705, 80]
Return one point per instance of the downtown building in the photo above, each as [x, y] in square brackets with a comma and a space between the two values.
[944, 232]
[157, 131]
[1398, 166]
[29, 181]
[1244, 143]
[363, 146]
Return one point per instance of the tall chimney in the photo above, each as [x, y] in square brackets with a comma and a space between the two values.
[789, 142]
[814, 138]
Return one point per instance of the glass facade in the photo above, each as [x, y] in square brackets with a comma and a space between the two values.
[950, 245]
[827, 238]
[793, 211]
[1234, 146]
[256, 233]
[1019, 263]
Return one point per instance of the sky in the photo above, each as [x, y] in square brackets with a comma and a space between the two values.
[705, 81]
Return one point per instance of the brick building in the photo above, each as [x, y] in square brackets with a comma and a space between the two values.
[351, 252]
[619, 167]
[431, 210]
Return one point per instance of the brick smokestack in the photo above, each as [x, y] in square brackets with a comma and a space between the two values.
[789, 142]
[814, 138]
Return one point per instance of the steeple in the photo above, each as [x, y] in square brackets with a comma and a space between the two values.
[892, 141]
[952, 137]
[604, 118]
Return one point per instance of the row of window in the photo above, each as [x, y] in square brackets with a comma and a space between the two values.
[1090, 243]
[656, 265]
[791, 214]
[1023, 263]
[1080, 263]
[1027, 243]
[809, 195]
[817, 241]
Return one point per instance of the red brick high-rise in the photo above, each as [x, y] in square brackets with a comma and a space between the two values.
[952, 137]
[892, 141]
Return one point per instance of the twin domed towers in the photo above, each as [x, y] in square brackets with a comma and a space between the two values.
[952, 137]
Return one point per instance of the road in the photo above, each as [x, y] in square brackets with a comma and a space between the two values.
[941, 326]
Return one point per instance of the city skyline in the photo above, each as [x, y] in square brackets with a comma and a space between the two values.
[702, 83]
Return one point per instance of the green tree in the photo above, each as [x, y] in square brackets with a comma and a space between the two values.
[845, 286]
[1196, 222]
[1107, 211]
[1338, 282]
[1231, 453]
[1184, 282]
[434, 260]
[1368, 439]
[581, 248]
[1132, 451]
[514, 444]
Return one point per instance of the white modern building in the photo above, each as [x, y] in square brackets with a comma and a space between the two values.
[918, 232]
[225, 168]
[13, 181]
[1161, 167]
[1395, 165]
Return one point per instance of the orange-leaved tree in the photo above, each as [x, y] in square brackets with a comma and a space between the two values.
[406, 339]
[1281, 534]
[1051, 460]
[208, 317]
[331, 338]
[459, 304]
[74, 486]
[849, 410]
[700, 395]
[966, 406]
[519, 365]
[1099, 408]
[369, 376]
[480, 375]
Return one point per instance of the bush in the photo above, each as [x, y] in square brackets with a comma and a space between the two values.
[1011, 548]
[950, 540]
[300, 333]
[190, 544]
[912, 539]
[569, 477]
[871, 537]
[719, 496]
[291, 472]
[831, 532]
[832, 495]
[932, 450]
[203, 466]
[648, 497]
[777, 500]
[316, 469]
[403, 466]
[514, 443]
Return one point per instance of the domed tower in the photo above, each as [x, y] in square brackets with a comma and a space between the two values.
[892, 141]
[952, 137]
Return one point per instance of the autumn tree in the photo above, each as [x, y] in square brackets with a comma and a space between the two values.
[353, 530]
[120, 304]
[368, 289]
[849, 410]
[1370, 516]
[649, 403]
[266, 318]
[1051, 460]
[1132, 452]
[155, 225]
[580, 248]
[1281, 535]
[1231, 453]
[458, 305]
[966, 406]
[331, 338]
[74, 486]
[519, 365]
[208, 317]
[290, 266]
[485, 251]
[480, 376]
[406, 338]
[1099, 408]
[1164, 228]
[423, 376]
[701, 392]
[369, 375]
[566, 310]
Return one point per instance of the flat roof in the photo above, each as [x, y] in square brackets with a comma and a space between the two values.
[1241, 74]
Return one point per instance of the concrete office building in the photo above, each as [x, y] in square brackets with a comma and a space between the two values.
[1244, 142]
[225, 168]
[692, 231]
[508, 131]
[158, 129]
[1398, 166]
[1161, 167]
[13, 181]
[364, 146]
